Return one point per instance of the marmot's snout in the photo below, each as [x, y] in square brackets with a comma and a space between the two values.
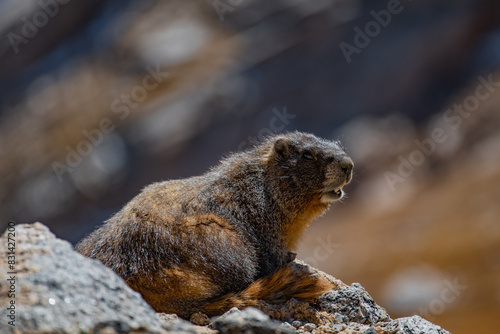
[346, 165]
[338, 174]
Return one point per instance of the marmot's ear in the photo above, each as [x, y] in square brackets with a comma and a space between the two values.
[282, 146]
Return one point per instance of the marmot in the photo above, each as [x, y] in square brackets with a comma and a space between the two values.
[226, 238]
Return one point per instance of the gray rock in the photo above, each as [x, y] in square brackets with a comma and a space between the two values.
[60, 291]
[249, 320]
[337, 328]
[180, 326]
[353, 304]
[309, 327]
[418, 325]
[173, 323]
[288, 326]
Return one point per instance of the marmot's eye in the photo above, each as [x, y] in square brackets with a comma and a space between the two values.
[308, 156]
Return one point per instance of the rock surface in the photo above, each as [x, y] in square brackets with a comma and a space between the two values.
[248, 320]
[58, 290]
[353, 304]
[416, 325]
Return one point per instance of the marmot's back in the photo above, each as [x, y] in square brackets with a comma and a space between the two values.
[198, 243]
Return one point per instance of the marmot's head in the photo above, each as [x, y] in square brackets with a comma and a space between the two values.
[311, 166]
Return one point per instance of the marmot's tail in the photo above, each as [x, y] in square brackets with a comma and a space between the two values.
[293, 280]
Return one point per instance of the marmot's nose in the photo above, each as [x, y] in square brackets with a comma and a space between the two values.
[346, 165]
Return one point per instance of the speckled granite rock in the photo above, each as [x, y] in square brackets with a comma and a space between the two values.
[418, 325]
[249, 320]
[60, 291]
[353, 304]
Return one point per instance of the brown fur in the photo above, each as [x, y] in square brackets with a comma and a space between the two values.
[293, 280]
[226, 238]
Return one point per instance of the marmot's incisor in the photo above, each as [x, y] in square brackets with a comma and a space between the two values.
[224, 239]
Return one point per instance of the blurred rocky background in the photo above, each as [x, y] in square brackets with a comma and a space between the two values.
[100, 97]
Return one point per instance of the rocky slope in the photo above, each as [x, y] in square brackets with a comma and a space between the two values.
[49, 288]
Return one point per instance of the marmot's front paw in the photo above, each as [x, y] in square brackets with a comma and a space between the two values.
[291, 256]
